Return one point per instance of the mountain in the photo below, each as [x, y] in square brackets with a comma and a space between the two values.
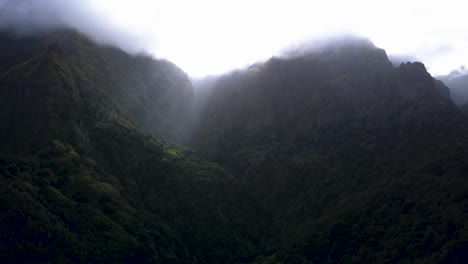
[154, 93]
[358, 161]
[81, 181]
[327, 155]
[458, 85]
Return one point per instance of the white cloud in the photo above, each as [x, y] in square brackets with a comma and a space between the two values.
[208, 36]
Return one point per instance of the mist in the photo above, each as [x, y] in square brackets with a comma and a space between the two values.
[30, 17]
[396, 60]
[456, 73]
[212, 37]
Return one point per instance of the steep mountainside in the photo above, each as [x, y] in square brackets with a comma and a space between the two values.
[359, 162]
[81, 183]
[328, 156]
[154, 93]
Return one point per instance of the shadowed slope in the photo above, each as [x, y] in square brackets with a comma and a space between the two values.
[80, 182]
[358, 161]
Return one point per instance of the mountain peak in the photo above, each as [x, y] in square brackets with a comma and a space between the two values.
[418, 81]
[413, 67]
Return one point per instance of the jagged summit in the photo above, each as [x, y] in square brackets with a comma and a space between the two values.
[338, 144]
[414, 67]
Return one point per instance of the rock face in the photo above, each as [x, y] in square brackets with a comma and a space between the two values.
[338, 144]
[305, 98]
[155, 93]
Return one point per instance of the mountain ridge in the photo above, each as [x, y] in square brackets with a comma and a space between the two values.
[324, 146]
[329, 157]
[92, 186]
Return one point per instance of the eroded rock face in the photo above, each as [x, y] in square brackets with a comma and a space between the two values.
[308, 96]
[316, 134]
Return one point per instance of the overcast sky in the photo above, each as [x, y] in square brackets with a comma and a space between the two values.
[213, 36]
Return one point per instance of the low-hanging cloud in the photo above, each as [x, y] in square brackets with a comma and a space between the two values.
[29, 17]
[456, 73]
[214, 36]
[336, 41]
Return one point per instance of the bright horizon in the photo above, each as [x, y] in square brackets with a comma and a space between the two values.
[211, 37]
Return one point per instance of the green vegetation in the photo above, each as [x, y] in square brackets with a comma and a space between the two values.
[330, 157]
[80, 182]
[357, 161]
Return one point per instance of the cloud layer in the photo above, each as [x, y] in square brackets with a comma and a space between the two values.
[35, 16]
[208, 36]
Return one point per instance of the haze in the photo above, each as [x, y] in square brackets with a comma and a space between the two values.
[210, 37]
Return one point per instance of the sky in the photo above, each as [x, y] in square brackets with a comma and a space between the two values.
[214, 36]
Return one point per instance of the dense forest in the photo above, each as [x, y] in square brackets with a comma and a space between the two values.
[358, 162]
[330, 155]
[83, 182]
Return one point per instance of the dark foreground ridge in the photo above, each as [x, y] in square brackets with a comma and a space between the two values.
[81, 182]
[329, 156]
